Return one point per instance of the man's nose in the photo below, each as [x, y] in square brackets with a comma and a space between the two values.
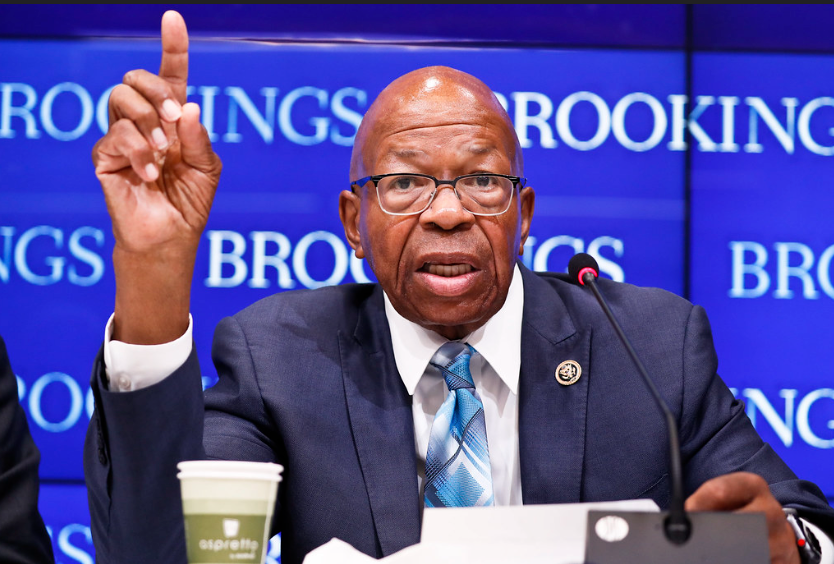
[446, 210]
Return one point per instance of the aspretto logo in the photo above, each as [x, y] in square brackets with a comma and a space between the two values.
[308, 115]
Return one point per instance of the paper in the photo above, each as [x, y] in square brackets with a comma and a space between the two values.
[533, 534]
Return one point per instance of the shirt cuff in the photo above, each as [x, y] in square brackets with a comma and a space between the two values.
[133, 367]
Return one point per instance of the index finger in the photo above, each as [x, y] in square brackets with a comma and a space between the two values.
[174, 66]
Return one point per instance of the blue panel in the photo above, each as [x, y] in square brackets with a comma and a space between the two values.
[578, 24]
[607, 182]
[771, 27]
[762, 244]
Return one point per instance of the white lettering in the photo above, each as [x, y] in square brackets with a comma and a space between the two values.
[803, 425]
[207, 109]
[785, 135]
[103, 110]
[86, 111]
[347, 115]
[8, 110]
[782, 427]
[606, 266]
[679, 123]
[740, 269]
[20, 258]
[523, 120]
[804, 126]
[76, 402]
[6, 260]
[299, 259]
[264, 123]
[543, 253]
[217, 258]
[824, 271]
[728, 127]
[785, 271]
[563, 121]
[86, 256]
[260, 260]
[618, 122]
[70, 549]
[319, 123]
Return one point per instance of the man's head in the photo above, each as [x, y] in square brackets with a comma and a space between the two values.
[445, 268]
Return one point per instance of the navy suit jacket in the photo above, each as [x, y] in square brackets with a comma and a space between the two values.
[308, 380]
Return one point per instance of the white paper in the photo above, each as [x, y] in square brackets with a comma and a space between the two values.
[552, 534]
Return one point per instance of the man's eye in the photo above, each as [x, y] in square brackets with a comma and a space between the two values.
[403, 183]
[484, 181]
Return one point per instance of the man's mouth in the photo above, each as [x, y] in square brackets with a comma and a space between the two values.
[447, 270]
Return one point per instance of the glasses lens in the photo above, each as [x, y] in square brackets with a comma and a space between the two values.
[405, 193]
[485, 193]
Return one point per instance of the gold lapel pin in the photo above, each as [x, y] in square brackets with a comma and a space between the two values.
[568, 372]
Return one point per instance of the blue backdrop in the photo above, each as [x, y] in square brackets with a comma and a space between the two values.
[654, 139]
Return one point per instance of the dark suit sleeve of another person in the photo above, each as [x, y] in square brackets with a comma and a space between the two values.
[23, 537]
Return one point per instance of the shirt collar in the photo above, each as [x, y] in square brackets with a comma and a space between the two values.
[498, 340]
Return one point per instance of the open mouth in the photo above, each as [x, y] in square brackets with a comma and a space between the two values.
[447, 270]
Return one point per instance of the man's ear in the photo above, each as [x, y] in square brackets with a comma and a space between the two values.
[349, 210]
[527, 197]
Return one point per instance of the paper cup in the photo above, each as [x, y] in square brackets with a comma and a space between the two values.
[227, 507]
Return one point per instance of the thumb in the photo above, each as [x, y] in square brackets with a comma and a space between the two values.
[195, 146]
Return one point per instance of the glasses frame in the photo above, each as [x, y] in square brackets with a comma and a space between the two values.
[518, 182]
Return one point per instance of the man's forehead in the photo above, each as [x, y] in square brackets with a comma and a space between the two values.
[431, 98]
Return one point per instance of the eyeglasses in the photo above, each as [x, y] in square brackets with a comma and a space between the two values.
[411, 194]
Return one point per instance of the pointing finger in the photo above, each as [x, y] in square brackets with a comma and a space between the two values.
[174, 66]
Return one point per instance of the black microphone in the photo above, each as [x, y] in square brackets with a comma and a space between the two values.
[677, 526]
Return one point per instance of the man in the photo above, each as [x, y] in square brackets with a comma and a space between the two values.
[23, 537]
[339, 385]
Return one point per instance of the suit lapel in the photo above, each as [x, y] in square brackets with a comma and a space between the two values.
[551, 415]
[381, 419]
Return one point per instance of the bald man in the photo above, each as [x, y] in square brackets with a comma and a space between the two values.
[339, 385]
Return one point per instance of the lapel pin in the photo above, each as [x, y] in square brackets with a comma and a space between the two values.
[568, 372]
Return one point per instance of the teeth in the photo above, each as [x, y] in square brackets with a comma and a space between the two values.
[448, 269]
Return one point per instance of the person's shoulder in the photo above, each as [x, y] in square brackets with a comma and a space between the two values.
[330, 306]
[624, 298]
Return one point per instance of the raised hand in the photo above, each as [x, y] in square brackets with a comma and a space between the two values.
[159, 174]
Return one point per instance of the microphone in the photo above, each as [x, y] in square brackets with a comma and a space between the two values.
[716, 538]
[583, 269]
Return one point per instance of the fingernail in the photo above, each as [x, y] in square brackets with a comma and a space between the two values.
[159, 138]
[171, 110]
[151, 172]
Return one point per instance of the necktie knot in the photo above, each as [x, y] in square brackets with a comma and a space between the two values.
[452, 359]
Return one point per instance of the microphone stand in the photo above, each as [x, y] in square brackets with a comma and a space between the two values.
[673, 537]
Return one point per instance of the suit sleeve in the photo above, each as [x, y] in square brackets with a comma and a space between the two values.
[23, 537]
[133, 445]
[136, 439]
[718, 438]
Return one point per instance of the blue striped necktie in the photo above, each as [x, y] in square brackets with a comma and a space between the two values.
[458, 473]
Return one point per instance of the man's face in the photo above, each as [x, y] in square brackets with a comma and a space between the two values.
[445, 269]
